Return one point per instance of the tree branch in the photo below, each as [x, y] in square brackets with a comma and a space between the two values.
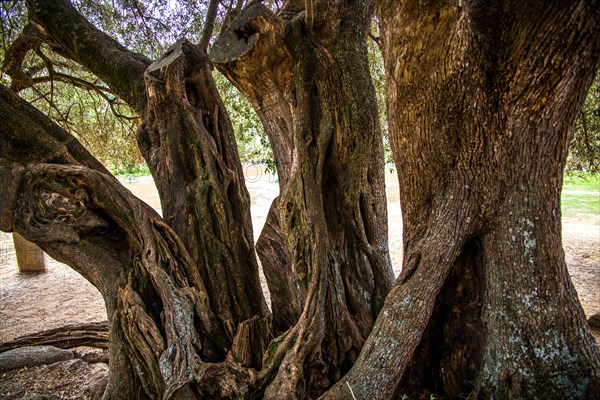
[24, 124]
[209, 24]
[29, 39]
[93, 334]
[83, 84]
[72, 36]
[308, 16]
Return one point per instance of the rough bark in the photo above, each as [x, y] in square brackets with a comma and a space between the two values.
[287, 293]
[32, 356]
[313, 93]
[157, 306]
[188, 143]
[194, 160]
[482, 100]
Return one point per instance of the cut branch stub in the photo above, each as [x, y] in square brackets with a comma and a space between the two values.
[252, 54]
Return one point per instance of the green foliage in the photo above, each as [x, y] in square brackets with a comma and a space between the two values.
[149, 26]
[128, 171]
[250, 135]
[74, 98]
[80, 103]
[12, 20]
[584, 152]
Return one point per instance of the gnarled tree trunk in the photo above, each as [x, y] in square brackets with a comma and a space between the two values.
[186, 315]
[311, 88]
[482, 100]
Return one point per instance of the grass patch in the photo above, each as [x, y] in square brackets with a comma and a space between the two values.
[585, 183]
[581, 196]
[131, 171]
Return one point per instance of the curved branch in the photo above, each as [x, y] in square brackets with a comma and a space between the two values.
[23, 125]
[72, 36]
[209, 24]
[83, 84]
[75, 81]
[29, 39]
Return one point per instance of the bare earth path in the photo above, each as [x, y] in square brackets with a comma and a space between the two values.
[31, 303]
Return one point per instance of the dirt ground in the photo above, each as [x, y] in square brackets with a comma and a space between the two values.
[34, 302]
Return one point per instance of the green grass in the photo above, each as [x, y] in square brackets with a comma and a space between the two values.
[581, 196]
[587, 183]
[134, 171]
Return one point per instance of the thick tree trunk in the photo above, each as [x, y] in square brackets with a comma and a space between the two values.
[312, 91]
[157, 305]
[189, 145]
[188, 141]
[482, 101]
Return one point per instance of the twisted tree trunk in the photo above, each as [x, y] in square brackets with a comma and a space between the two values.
[157, 305]
[186, 315]
[311, 89]
[189, 145]
[482, 100]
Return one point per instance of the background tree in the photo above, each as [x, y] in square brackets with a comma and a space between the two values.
[584, 151]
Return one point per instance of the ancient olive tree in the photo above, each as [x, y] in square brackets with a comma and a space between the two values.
[186, 313]
[481, 100]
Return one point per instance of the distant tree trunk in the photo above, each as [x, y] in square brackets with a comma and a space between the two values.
[325, 239]
[482, 100]
[30, 258]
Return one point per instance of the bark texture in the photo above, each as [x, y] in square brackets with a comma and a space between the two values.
[325, 242]
[94, 334]
[188, 143]
[157, 305]
[482, 100]
[186, 315]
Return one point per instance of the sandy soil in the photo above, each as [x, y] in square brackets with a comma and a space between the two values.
[59, 296]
